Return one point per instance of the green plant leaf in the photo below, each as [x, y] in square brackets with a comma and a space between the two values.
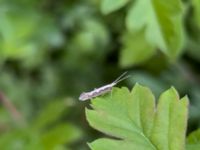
[135, 49]
[133, 119]
[108, 6]
[162, 21]
[196, 6]
[193, 140]
[170, 121]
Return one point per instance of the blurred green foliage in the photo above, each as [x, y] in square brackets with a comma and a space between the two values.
[42, 132]
[52, 51]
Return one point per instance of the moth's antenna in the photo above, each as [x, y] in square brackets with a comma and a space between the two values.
[128, 76]
[121, 77]
[116, 80]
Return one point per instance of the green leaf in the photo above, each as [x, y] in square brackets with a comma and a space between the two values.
[196, 6]
[135, 49]
[194, 137]
[108, 144]
[162, 21]
[170, 121]
[108, 6]
[193, 140]
[133, 118]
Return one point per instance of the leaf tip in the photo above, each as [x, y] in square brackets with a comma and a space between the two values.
[172, 90]
[185, 100]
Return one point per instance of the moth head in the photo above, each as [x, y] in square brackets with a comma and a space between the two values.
[84, 96]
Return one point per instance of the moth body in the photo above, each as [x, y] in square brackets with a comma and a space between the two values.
[96, 92]
[101, 90]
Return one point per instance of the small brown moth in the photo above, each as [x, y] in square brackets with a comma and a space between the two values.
[102, 90]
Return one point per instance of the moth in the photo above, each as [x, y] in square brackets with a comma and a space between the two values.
[102, 90]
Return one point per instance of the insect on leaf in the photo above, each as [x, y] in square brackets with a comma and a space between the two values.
[135, 121]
